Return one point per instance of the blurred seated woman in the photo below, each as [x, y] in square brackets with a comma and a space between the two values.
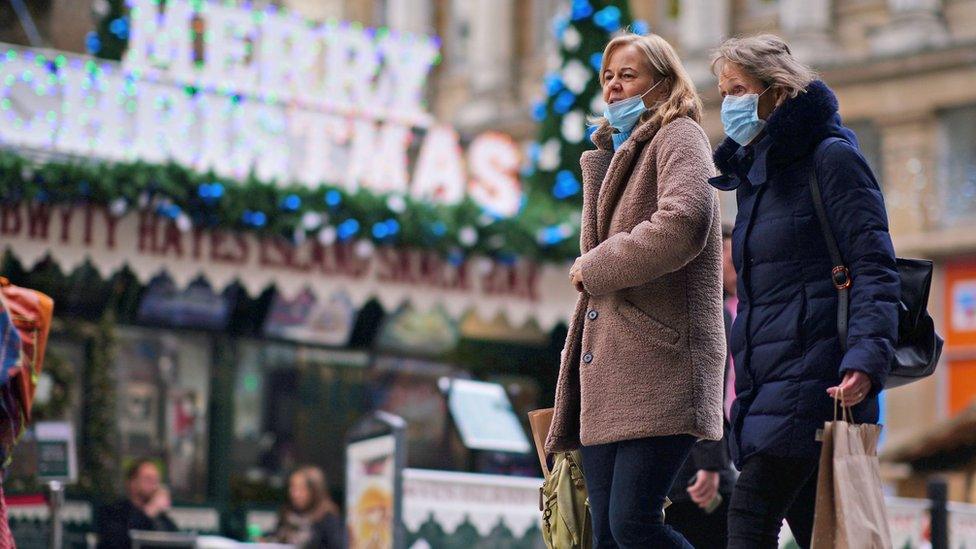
[310, 519]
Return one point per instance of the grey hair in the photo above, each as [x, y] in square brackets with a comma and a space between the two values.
[768, 58]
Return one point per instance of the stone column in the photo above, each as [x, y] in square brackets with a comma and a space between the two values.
[492, 44]
[914, 25]
[806, 24]
[410, 16]
[702, 25]
[491, 49]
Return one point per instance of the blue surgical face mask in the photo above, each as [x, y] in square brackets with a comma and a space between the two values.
[740, 117]
[623, 114]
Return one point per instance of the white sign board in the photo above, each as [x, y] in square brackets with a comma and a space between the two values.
[56, 454]
[484, 417]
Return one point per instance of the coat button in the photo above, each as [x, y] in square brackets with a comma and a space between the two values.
[587, 358]
[592, 314]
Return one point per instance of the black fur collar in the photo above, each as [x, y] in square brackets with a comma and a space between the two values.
[796, 127]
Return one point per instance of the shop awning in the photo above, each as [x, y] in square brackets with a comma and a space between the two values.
[150, 245]
[949, 444]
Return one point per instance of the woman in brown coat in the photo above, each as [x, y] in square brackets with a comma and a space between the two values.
[642, 368]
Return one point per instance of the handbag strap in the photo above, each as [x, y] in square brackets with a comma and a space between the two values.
[839, 275]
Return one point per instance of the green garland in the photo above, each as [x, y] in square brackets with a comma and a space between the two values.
[99, 462]
[212, 202]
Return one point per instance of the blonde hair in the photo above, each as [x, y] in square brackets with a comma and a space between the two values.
[768, 58]
[682, 97]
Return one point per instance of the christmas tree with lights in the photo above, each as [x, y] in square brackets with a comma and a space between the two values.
[111, 34]
[572, 94]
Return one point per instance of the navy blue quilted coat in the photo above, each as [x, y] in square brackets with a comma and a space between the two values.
[784, 340]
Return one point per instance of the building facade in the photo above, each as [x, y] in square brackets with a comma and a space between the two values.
[904, 72]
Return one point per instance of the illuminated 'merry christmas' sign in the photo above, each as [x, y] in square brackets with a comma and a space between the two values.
[237, 91]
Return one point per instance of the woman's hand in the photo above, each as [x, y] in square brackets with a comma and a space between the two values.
[853, 390]
[576, 276]
[705, 488]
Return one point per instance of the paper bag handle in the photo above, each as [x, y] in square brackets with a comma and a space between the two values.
[539, 423]
[845, 411]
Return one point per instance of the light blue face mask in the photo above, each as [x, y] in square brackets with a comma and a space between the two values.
[740, 117]
[623, 114]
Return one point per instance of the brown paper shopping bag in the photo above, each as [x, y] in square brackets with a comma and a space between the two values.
[850, 509]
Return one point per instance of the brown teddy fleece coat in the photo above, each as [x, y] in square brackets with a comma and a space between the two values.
[645, 352]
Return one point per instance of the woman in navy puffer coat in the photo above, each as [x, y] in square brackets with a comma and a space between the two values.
[785, 346]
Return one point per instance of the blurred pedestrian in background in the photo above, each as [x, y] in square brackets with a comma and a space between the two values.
[642, 368]
[145, 507]
[701, 493]
[783, 131]
[310, 519]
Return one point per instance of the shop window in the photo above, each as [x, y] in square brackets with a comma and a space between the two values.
[163, 395]
[293, 405]
[869, 141]
[58, 398]
[957, 166]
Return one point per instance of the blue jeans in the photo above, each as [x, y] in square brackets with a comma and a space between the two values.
[627, 483]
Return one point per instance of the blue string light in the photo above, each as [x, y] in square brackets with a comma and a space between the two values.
[93, 44]
[539, 111]
[559, 26]
[347, 229]
[120, 28]
[455, 258]
[608, 18]
[255, 219]
[211, 192]
[564, 101]
[596, 61]
[640, 27]
[553, 83]
[386, 229]
[291, 203]
[171, 211]
[333, 198]
[566, 185]
[507, 258]
[438, 228]
[581, 9]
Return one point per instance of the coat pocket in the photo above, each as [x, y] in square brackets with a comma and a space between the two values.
[647, 325]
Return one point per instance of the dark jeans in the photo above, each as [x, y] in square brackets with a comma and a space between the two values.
[770, 489]
[627, 483]
[701, 529]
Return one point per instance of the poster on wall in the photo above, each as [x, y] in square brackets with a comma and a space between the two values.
[196, 306]
[371, 474]
[308, 319]
[961, 304]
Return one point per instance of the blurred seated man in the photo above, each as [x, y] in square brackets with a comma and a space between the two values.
[144, 508]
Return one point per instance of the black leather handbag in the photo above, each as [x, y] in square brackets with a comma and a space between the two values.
[919, 347]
